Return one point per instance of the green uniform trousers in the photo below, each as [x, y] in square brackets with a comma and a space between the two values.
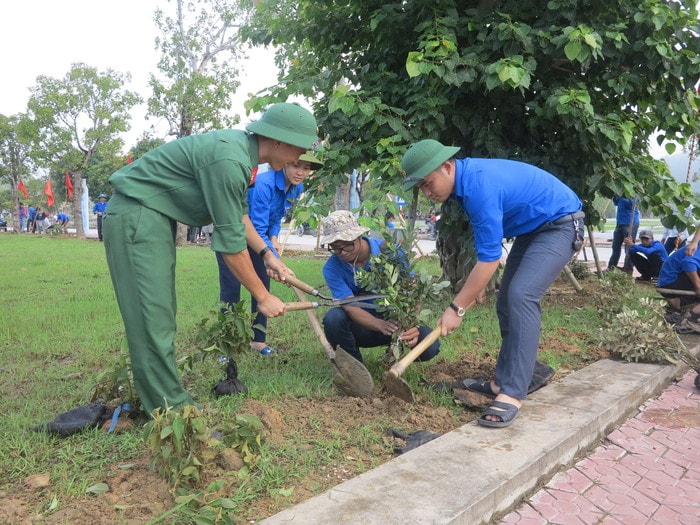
[140, 247]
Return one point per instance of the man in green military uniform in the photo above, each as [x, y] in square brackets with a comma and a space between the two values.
[196, 180]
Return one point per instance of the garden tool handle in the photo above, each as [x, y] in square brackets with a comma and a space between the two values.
[399, 368]
[673, 291]
[301, 285]
[302, 305]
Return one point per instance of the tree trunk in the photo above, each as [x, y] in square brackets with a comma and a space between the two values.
[455, 246]
[77, 218]
[181, 234]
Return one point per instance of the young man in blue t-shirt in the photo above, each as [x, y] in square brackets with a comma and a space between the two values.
[648, 256]
[350, 326]
[503, 199]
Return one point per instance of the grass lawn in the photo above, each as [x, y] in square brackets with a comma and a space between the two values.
[60, 327]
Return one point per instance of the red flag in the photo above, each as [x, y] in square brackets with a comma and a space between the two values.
[69, 186]
[128, 159]
[21, 187]
[49, 193]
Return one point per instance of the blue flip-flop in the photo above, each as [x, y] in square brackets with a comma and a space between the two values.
[266, 350]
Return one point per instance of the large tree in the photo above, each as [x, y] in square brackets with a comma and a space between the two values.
[578, 88]
[80, 116]
[200, 45]
[17, 135]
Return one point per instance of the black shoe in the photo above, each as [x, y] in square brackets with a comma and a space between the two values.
[673, 317]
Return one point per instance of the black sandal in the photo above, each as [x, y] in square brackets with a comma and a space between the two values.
[480, 387]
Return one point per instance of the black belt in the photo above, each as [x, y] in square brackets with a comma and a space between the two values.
[569, 217]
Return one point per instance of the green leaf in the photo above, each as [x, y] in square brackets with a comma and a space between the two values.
[572, 50]
[97, 488]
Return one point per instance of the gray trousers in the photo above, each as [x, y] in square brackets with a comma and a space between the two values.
[535, 260]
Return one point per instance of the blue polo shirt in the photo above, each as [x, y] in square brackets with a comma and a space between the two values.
[340, 275]
[506, 198]
[268, 202]
[677, 263]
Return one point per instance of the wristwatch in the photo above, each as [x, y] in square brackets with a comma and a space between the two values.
[262, 252]
[460, 311]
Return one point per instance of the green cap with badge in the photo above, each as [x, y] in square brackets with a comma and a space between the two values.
[422, 158]
[288, 123]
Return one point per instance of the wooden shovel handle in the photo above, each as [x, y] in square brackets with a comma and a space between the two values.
[302, 305]
[399, 368]
[672, 291]
[301, 285]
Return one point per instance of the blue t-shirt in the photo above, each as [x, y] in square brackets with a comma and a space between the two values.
[99, 207]
[268, 202]
[340, 275]
[506, 198]
[677, 263]
[654, 248]
[624, 210]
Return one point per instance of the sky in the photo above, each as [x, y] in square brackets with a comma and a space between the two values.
[44, 37]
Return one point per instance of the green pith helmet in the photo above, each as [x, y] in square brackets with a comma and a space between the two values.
[316, 163]
[288, 123]
[422, 158]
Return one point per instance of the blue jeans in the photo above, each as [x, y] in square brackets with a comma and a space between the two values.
[230, 291]
[535, 260]
[621, 231]
[341, 331]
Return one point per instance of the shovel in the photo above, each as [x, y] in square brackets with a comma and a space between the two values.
[393, 382]
[349, 375]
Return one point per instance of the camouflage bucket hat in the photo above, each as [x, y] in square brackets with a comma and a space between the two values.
[422, 158]
[341, 225]
[288, 123]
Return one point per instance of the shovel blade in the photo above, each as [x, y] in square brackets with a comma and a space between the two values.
[351, 377]
[396, 386]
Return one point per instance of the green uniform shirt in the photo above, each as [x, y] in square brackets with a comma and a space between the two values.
[197, 180]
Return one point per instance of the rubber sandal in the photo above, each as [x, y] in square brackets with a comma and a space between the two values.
[507, 415]
[480, 387]
[266, 350]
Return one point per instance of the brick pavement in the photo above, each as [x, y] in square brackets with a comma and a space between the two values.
[645, 472]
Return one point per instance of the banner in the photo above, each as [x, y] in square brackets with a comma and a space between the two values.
[21, 187]
[49, 193]
[69, 186]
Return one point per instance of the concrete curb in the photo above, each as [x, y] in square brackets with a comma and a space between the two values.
[474, 473]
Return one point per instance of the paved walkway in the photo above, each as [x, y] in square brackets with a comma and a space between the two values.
[646, 472]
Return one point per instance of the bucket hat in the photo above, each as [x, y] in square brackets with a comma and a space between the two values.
[316, 163]
[288, 123]
[422, 158]
[341, 225]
